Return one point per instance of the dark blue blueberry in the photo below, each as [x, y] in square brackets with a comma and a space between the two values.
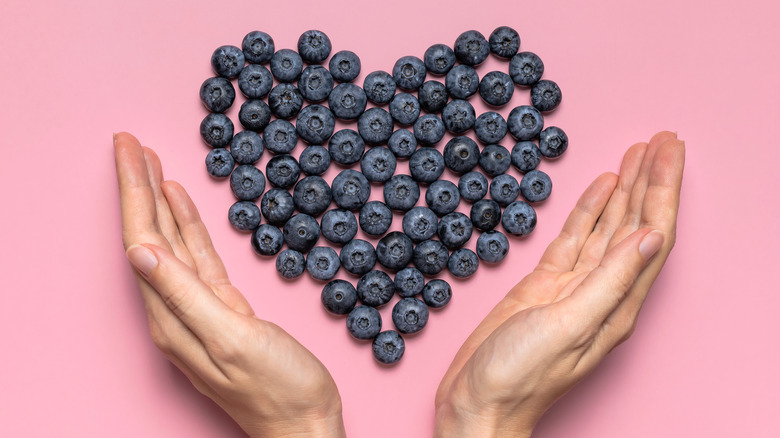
[364, 322]
[430, 257]
[339, 226]
[426, 165]
[228, 61]
[473, 186]
[463, 263]
[375, 126]
[395, 250]
[312, 195]
[358, 257]
[545, 95]
[379, 87]
[420, 224]
[439, 59]
[404, 109]
[267, 240]
[409, 72]
[285, 100]
[290, 263]
[455, 229]
[437, 293]
[409, 282]
[258, 47]
[346, 147]
[410, 315]
[442, 197]
[315, 83]
[314, 46]
[495, 159]
[280, 137]
[315, 124]
[461, 82]
[525, 122]
[254, 114]
[378, 164]
[347, 101]
[388, 347]
[351, 189]
[504, 42]
[216, 129]
[301, 232]
[428, 129]
[519, 218]
[461, 154]
[283, 171]
[401, 193]
[339, 297]
[402, 143]
[485, 214]
[432, 96]
[314, 160]
[219, 163]
[496, 88]
[277, 206]
[344, 66]
[492, 246]
[471, 48]
[526, 156]
[255, 81]
[217, 94]
[553, 142]
[246, 147]
[504, 189]
[458, 116]
[244, 215]
[535, 186]
[375, 218]
[247, 182]
[286, 65]
[375, 288]
[490, 127]
[526, 68]
[322, 262]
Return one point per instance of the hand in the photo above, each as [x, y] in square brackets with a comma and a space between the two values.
[581, 301]
[260, 375]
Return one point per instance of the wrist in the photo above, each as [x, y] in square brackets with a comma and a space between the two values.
[466, 418]
[309, 425]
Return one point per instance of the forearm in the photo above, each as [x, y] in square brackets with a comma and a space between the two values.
[453, 421]
[331, 426]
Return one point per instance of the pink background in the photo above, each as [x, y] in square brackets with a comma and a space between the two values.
[77, 358]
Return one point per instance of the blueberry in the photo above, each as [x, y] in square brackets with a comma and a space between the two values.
[401, 193]
[375, 288]
[426, 165]
[364, 322]
[545, 95]
[420, 224]
[519, 218]
[255, 81]
[439, 59]
[244, 215]
[430, 257]
[375, 218]
[442, 197]
[461, 154]
[490, 127]
[216, 130]
[358, 257]
[314, 160]
[290, 263]
[409, 282]
[410, 315]
[409, 72]
[485, 214]
[496, 88]
[339, 226]
[344, 66]
[267, 240]
[388, 347]
[375, 126]
[322, 263]
[437, 293]
[492, 246]
[455, 229]
[525, 122]
[379, 87]
[495, 159]
[247, 182]
[280, 137]
[395, 250]
[402, 143]
[526, 68]
[471, 48]
[339, 297]
[315, 124]
[462, 81]
[347, 101]
[228, 61]
[346, 147]
[283, 171]
[246, 147]
[428, 130]
[432, 96]
[458, 116]
[473, 186]
[217, 94]
[404, 109]
[351, 189]
[315, 83]
[286, 65]
[277, 206]
[254, 114]
[378, 164]
[258, 47]
[285, 100]
[314, 46]
[312, 195]
[219, 163]
[301, 232]
[553, 142]
[463, 263]
[504, 42]
[526, 156]
[504, 189]
[535, 186]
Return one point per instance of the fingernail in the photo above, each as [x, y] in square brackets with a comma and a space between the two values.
[142, 258]
[650, 244]
[115, 139]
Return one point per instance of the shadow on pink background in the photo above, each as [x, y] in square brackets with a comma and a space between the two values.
[77, 358]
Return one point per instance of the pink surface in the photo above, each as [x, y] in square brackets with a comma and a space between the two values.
[77, 358]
